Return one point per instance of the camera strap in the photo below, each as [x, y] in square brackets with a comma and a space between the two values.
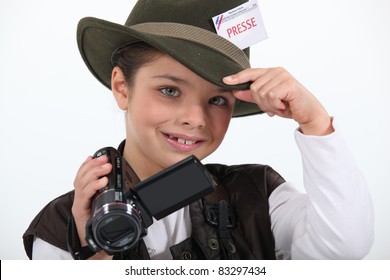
[219, 213]
[211, 206]
[74, 247]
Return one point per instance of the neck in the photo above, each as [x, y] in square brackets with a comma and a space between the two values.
[142, 168]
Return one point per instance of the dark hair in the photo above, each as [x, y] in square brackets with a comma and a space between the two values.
[131, 57]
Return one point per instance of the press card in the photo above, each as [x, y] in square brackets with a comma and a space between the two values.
[243, 25]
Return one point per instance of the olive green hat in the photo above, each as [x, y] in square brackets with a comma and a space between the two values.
[182, 29]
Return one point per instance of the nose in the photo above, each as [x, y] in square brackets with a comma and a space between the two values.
[192, 116]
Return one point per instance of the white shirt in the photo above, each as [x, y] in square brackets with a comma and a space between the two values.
[334, 219]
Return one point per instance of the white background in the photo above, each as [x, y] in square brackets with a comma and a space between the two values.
[53, 113]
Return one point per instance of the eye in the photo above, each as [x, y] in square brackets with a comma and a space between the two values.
[218, 100]
[169, 91]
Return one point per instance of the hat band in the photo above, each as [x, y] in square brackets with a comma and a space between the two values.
[196, 35]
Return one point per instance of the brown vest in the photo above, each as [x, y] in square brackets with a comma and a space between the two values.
[248, 187]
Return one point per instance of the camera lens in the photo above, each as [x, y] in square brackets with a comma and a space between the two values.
[117, 227]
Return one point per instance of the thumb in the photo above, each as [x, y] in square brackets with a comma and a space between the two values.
[244, 95]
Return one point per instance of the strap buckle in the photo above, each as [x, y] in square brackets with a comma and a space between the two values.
[211, 214]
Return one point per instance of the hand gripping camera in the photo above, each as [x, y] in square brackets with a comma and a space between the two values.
[124, 209]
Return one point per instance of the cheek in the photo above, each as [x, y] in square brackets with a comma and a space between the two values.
[220, 126]
[145, 115]
[136, 118]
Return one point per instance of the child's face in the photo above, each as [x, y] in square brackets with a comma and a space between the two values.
[173, 113]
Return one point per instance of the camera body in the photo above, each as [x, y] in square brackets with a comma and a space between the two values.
[124, 209]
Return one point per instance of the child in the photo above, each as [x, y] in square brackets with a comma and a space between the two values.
[180, 84]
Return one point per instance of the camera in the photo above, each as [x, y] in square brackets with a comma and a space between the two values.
[124, 209]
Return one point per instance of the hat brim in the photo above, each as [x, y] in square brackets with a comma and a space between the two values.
[97, 39]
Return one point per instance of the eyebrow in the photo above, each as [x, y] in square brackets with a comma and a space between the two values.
[178, 80]
[172, 78]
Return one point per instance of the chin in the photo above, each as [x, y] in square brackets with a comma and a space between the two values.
[175, 159]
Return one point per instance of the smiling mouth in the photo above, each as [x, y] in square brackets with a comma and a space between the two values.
[182, 141]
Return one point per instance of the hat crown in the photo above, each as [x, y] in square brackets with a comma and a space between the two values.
[183, 29]
[197, 13]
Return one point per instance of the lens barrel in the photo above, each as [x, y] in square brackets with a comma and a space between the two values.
[117, 227]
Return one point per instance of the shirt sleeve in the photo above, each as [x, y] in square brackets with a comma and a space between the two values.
[334, 219]
[43, 250]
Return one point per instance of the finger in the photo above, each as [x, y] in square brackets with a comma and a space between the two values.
[276, 101]
[272, 95]
[271, 77]
[265, 101]
[83, 196]
[264, 80]
[275, 94]
[247, 96]
[269, 98]
[261, 77]
[269, 80]
[247, 75]
[273, 105]
[88, 164]
[84, 166]
[244, 95]
[88, 159]
[89, 191]
[93, 174]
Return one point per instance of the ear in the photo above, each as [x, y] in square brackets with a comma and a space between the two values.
[119, 88]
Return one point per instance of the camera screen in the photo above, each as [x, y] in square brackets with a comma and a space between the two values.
[175, 187]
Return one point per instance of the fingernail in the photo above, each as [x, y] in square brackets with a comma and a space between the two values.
[228, 78]
[102, 158]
